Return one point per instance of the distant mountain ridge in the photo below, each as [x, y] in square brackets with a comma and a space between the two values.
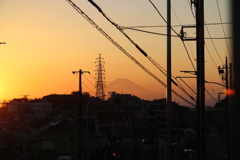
[125, 86]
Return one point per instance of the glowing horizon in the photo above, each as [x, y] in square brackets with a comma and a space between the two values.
[46, 41]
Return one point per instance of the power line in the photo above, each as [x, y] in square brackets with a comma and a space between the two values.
[183, 41]
[88, 88]
[176, 16]
[163, 34]
[187, 85]
[223, 29]
[210, 55]
[188, 53]
[177, 36]
[162, 17]
[191, 50]
[210, 94]
[213, 44]
[89, 81]
[138, 47]
[211, 87]
[208, 34]
[189, 56]
[157, 26]
[92, 76]
[120, 48]
[190, 5]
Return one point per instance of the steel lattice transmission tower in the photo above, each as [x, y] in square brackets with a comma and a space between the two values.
[100, 84]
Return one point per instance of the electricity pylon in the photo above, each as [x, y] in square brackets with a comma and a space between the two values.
[100, 86]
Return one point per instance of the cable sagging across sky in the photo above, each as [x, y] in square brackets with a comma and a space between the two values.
[124, 51]
[139, 48]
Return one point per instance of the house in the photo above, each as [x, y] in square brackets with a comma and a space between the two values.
[61, 141]
[57, 141]
[16, 145]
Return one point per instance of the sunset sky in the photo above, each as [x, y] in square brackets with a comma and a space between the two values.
[47, 40]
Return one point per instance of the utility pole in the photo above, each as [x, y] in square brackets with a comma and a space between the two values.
[81, 142]
[199, 4]
[227, 105]
[169, 86]
[200, 79]
[229, 112]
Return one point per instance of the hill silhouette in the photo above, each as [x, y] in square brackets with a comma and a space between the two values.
[125, 86]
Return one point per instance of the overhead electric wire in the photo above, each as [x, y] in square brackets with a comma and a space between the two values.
[213, 44]
[173, 31]
[176, 16]
[162, 34]
[88, 88]
[120, 48]
[210, 95]
[189, 57]
[162, 16]
[191, 51]
[177, 36]
[129, 27]
[189, 81]
[183, 42]
[223, 29]
[190, 5]
[187, 85]
[211, 87]
[12, 88]
[207, 47]
[140, 49]
[77, 75]
[89, 81]
[210, 55]
[92, 76]
[208, 34]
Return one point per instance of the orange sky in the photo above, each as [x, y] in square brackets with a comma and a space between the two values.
[47, 40]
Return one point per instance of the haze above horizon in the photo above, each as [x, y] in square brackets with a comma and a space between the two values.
[47, 40]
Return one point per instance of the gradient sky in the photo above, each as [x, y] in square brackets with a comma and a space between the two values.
[47, 40]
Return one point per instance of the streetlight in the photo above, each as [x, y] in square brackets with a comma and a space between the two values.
[87, 120]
